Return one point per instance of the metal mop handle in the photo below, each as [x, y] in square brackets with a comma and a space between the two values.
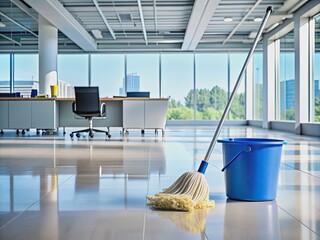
[204, 163]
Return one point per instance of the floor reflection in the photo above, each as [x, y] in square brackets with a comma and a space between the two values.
[251, 220]
[55, 188]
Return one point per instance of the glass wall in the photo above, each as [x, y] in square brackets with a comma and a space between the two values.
[26, 73]
[73, 70]
[238, 107]
[143, 73]
[107, 72]
[286, 82]
[4, 72]
[257, 85]
[316, 73]
[211, 85]
[177, 83]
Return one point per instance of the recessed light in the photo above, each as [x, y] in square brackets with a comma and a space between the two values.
[257, 19]
[97, 33]
[228, 19]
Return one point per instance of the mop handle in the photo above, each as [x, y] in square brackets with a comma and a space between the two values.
[226, 110]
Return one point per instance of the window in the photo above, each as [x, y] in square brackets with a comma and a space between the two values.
[286, 78]
[143, 73]
[211, 85]
[26, 73]
[4, 73]
[107, 72]
[316, 72]
[73, 70]
[177, 83]
[238, 107]
[257, 85]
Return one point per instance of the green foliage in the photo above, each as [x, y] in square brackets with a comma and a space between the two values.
[288, 114]
[317, 110]
[210, 105]
[180, 113]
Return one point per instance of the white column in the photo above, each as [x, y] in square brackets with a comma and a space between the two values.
[48, 52]
[301, 46]
[268, 92]
[249, 90]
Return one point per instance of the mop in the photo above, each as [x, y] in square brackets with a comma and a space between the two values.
[191, 190]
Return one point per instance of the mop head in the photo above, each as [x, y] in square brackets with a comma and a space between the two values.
[190, 191]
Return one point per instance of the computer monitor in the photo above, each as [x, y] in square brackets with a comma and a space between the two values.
[7, 95]
[138, 94]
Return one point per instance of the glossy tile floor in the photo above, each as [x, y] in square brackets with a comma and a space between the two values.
[55, 188]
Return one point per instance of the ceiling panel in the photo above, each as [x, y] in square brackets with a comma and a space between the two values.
[165, 23]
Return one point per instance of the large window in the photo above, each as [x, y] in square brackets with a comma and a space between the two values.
[107, 72]
[4, 73]
[177, 83]
[286, 78]
[73, 70]
[316, 73]
[26, 73]
[143, 73]
[257, 85]
[238, 107]
[211, 85]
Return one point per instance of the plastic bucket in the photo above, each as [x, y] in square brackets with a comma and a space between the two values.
[251, 167]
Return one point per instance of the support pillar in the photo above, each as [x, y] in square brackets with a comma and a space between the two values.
[301, 46]
[269, 73]
[48, 53]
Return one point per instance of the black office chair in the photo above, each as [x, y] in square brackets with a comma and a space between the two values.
[87, 104]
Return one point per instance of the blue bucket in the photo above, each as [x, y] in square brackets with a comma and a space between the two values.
[251, 168]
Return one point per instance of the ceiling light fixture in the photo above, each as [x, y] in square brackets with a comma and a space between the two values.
[257, 19]
[228, 19]
[97, 34]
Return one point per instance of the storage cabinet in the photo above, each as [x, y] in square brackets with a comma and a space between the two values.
[145, 114]
[20, 114]
[44, 114]
[4, 116]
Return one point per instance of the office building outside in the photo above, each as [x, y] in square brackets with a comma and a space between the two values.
[132, 81]
[287, 93]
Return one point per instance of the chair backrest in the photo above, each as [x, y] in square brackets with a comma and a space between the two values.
[87, 100]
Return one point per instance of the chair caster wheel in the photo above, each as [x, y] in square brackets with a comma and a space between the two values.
[71, 135]
[109, 136]
[78, 135]
[91, 135]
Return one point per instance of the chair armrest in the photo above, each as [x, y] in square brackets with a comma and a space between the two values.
[74, 107]
[103, 109]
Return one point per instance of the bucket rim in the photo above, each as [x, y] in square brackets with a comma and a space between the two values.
[255, 141]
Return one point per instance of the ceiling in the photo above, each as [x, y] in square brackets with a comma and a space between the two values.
[139, 25]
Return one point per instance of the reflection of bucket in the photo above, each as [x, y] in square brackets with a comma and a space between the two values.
[252, 168]
[248, 220]
[54, 90]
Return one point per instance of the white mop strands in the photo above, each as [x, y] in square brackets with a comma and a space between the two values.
[190, 191]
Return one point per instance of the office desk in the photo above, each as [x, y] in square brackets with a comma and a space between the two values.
[52, 113]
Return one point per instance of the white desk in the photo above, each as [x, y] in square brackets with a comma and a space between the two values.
[52, 113]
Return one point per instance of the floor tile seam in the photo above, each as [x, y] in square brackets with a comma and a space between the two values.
[318, 234]
[300, 171]
[32, 204]
[146, 200]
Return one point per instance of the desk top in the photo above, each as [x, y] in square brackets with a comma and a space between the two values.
[72, 99]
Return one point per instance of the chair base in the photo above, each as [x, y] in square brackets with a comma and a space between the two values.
[90, 131]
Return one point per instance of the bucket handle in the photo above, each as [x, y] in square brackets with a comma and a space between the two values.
[246, 149]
